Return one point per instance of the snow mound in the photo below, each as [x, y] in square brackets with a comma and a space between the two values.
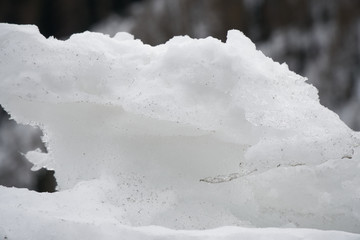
[191, 134]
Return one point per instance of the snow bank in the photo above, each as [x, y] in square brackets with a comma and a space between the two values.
[192, 134]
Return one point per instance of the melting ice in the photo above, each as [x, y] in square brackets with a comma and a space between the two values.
[192, 134]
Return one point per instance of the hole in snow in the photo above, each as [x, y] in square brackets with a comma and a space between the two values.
[15, 169]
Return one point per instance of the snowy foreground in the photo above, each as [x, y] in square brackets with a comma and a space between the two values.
[164, 142]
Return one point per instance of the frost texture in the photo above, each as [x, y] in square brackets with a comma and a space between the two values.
[192, 134]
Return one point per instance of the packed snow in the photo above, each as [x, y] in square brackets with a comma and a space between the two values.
[191, 139]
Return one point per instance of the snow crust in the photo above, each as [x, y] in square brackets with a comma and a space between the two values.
[191, 134]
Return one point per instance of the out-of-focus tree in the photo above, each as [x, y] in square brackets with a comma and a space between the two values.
[60, 18]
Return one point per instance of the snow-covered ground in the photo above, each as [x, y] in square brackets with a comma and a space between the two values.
[189, 135]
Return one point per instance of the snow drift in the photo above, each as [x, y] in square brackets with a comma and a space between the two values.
[191, 134]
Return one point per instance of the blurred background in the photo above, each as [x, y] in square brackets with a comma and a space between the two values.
[319, 39]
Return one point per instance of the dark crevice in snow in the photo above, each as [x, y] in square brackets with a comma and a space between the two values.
[15, 170]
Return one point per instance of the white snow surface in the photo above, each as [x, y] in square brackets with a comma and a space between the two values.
[163, 142]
